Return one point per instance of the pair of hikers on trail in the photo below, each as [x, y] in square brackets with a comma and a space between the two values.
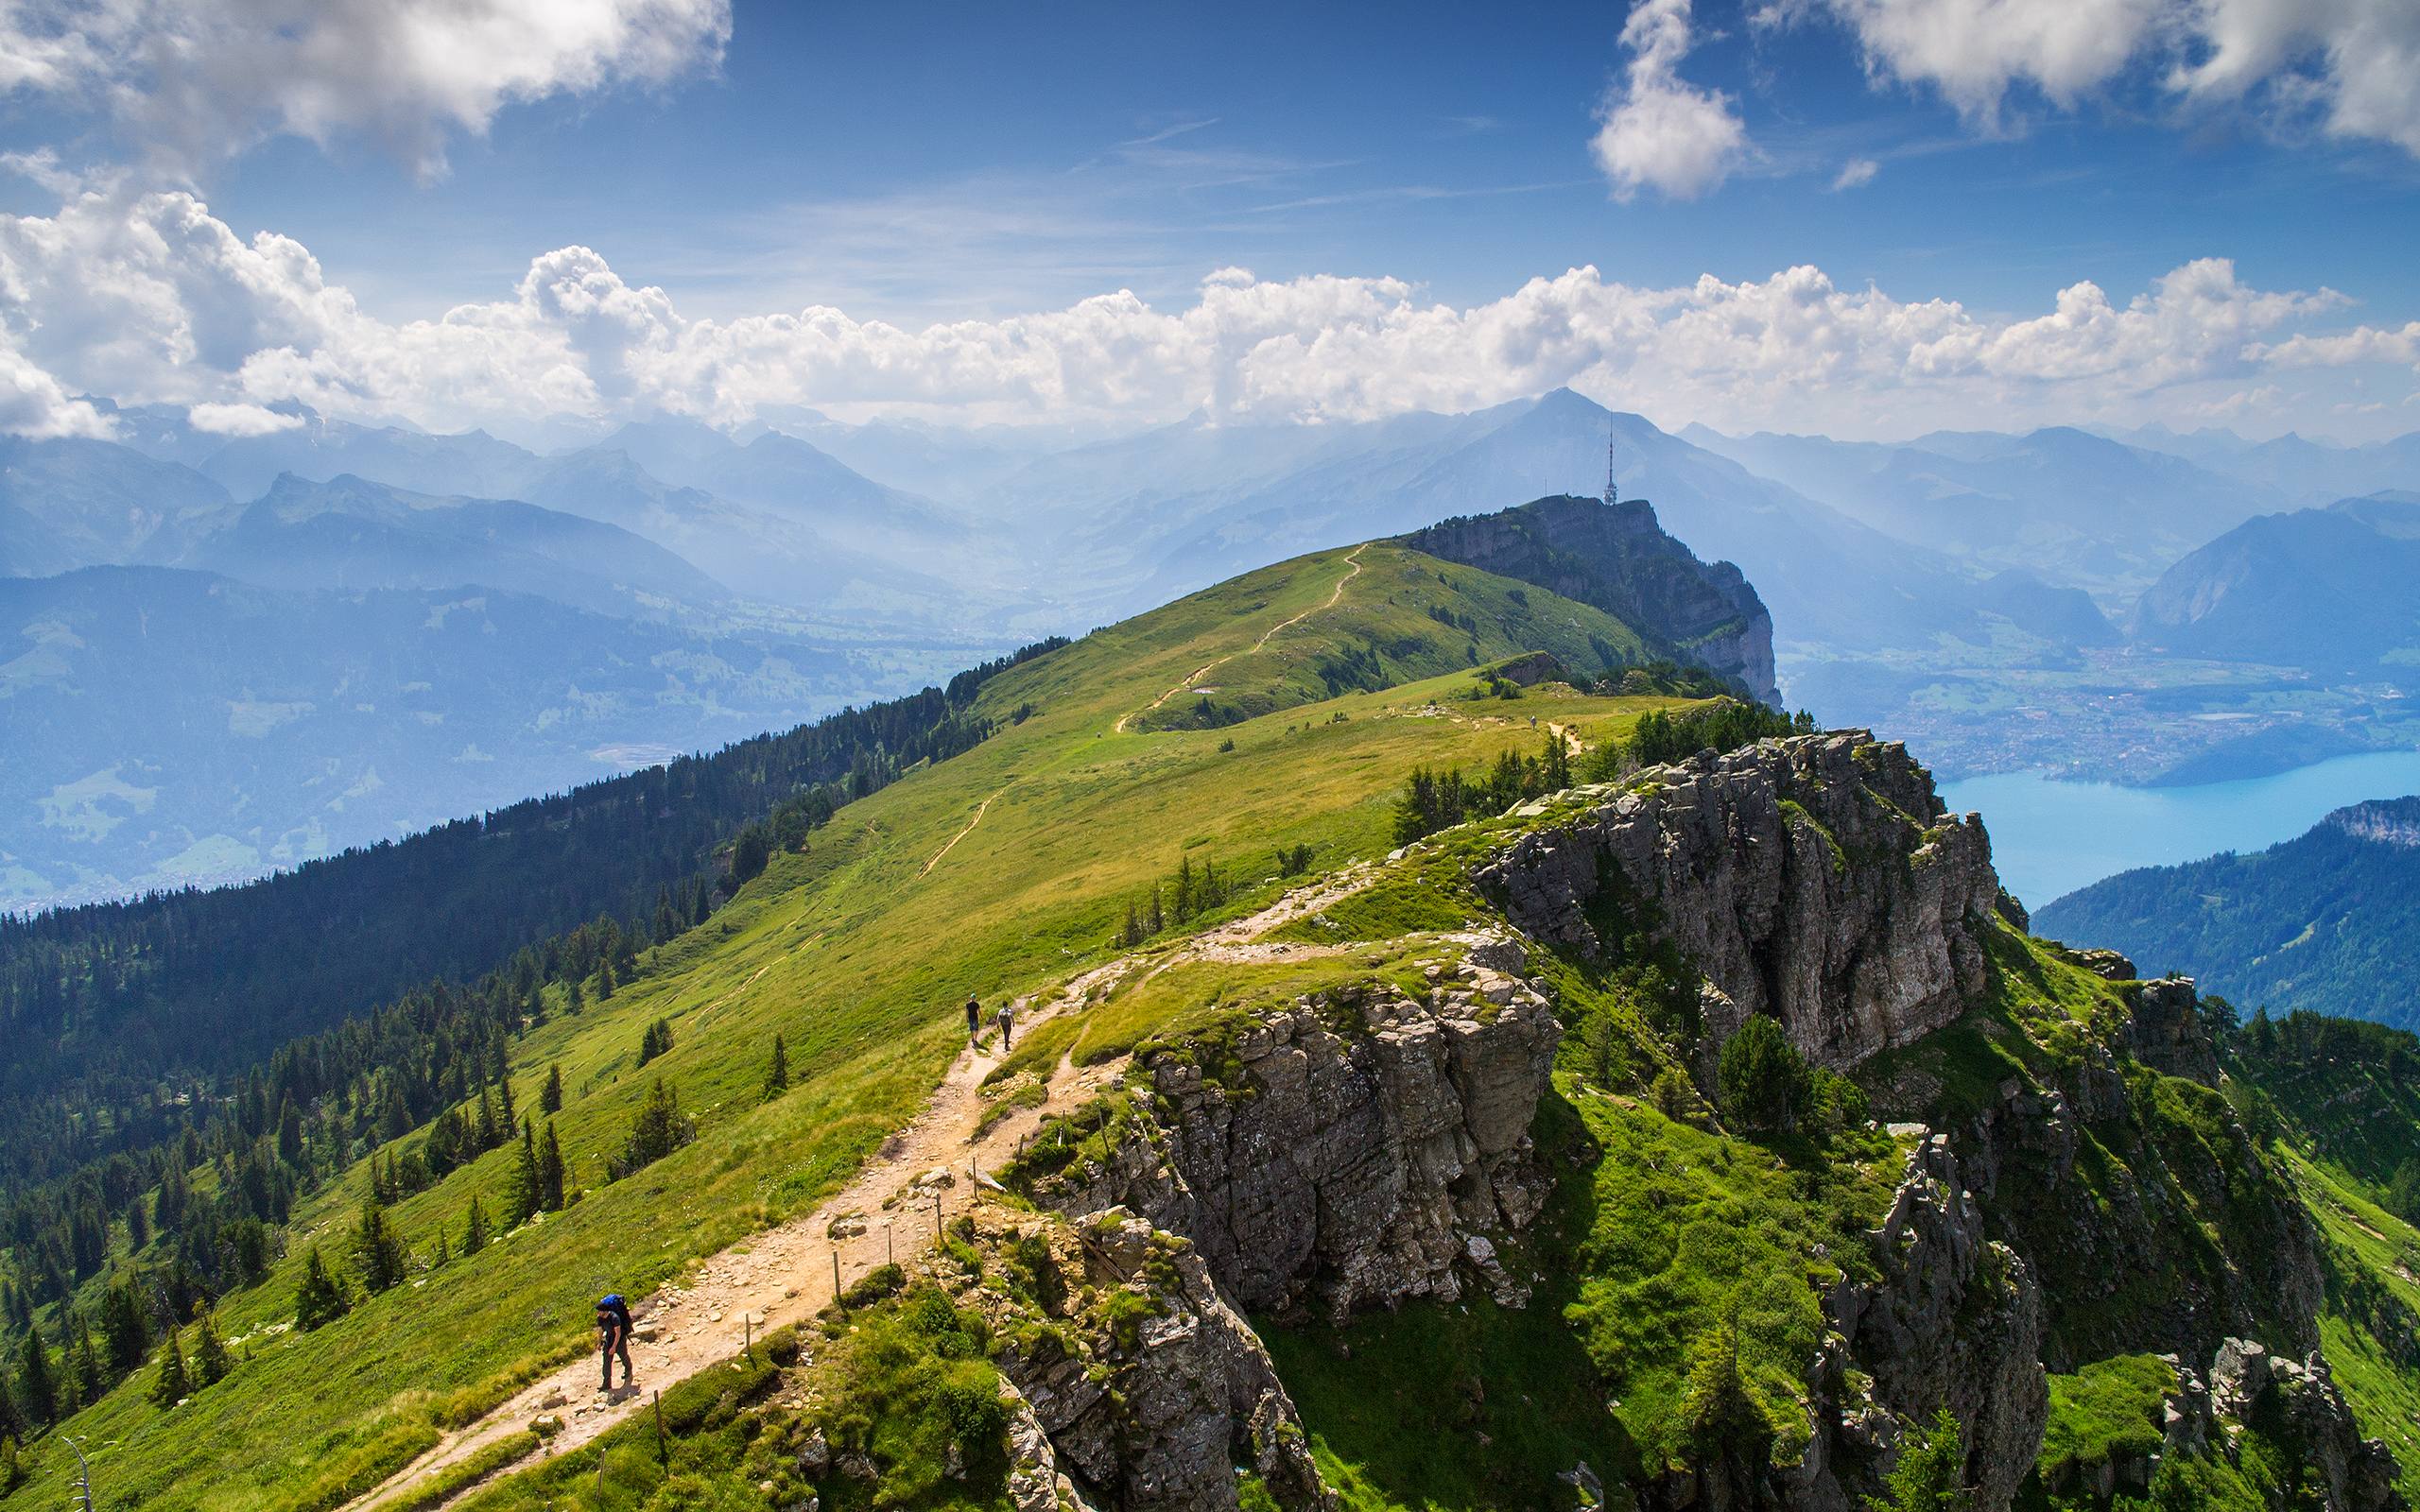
[1008, 1017]
[614, 1337]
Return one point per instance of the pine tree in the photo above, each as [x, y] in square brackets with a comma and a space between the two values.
[504, 1108]
[604, 979]
[210, 1361]
[1930, 1475]
[126, 1331]
[575, 997]
[550, 1172]
[13, 1428]
[138, 1232]
[36, 1385]
[660, 1129]
[475, 1228]
[520, 1195]
[86, 1376]
[170, 1385]
[1558, 763]
[378, 1251]
[777, 1076]
[289, 1134]
[551, 1096]
[320, 1300]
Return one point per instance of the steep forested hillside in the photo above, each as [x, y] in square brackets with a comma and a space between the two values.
[2328, 923]
[105, 1004]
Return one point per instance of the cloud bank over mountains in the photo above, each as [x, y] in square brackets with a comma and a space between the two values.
[146, 297]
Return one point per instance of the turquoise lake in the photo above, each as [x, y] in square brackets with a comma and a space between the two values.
[2048, 838]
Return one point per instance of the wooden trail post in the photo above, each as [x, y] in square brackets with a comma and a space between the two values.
[888, 1258]
[937, 1219]
[748, 1335]
[836, 1278]
[663, 1455]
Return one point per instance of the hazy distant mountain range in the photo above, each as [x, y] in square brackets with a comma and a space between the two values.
[768, 575]
[2329, 590]
[168, 725]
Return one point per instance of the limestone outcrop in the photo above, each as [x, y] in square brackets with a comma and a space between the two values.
[1954, 1321]
[1346, 1152]
[1818, 880]
[1137, 1387]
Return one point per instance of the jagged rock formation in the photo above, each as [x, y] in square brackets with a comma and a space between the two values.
[1818, 880]
[1955, 1321]
[2108, 1206]
[1618, 557]
[2356, 1474]
[1371, 1147]
[1164, 1389]
[1353, 1152]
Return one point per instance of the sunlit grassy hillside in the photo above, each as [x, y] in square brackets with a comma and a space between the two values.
[994, 874]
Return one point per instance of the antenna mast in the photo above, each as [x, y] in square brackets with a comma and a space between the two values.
[1612, 492]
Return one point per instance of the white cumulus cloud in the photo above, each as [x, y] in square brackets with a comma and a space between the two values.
[192, 80]
[2344, 65]
[1856, 174]
[149, 297]
[1657, 129]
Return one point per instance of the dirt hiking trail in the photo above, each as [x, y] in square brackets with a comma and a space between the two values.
[783, 1275]
[1353, 570]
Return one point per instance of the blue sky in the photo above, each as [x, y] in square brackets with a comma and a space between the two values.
[1444, 144]
[960, 162]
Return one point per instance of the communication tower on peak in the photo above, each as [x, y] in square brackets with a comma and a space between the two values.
[1613, 494]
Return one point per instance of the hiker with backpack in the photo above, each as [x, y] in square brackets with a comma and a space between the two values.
[614, 1337]
[974, 1017]
[1008, 1022]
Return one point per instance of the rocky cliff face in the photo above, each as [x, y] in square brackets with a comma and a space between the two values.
[1616, 557]
[1153, 1394]
[1347, 1153]
[1817, 879]
[1955, 1321]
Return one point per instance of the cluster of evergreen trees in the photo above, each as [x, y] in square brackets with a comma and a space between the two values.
[1439, 800]
[1187, 894]
[1726, 726]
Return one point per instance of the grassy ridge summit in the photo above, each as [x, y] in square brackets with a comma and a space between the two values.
[997, 871]
[2329, 922]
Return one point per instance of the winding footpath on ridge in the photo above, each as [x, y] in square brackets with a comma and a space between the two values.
[1353, 570]
[961, 835]
[783, 1275]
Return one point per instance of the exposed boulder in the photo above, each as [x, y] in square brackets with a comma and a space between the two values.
[2166, 1033]
[1816, 879]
